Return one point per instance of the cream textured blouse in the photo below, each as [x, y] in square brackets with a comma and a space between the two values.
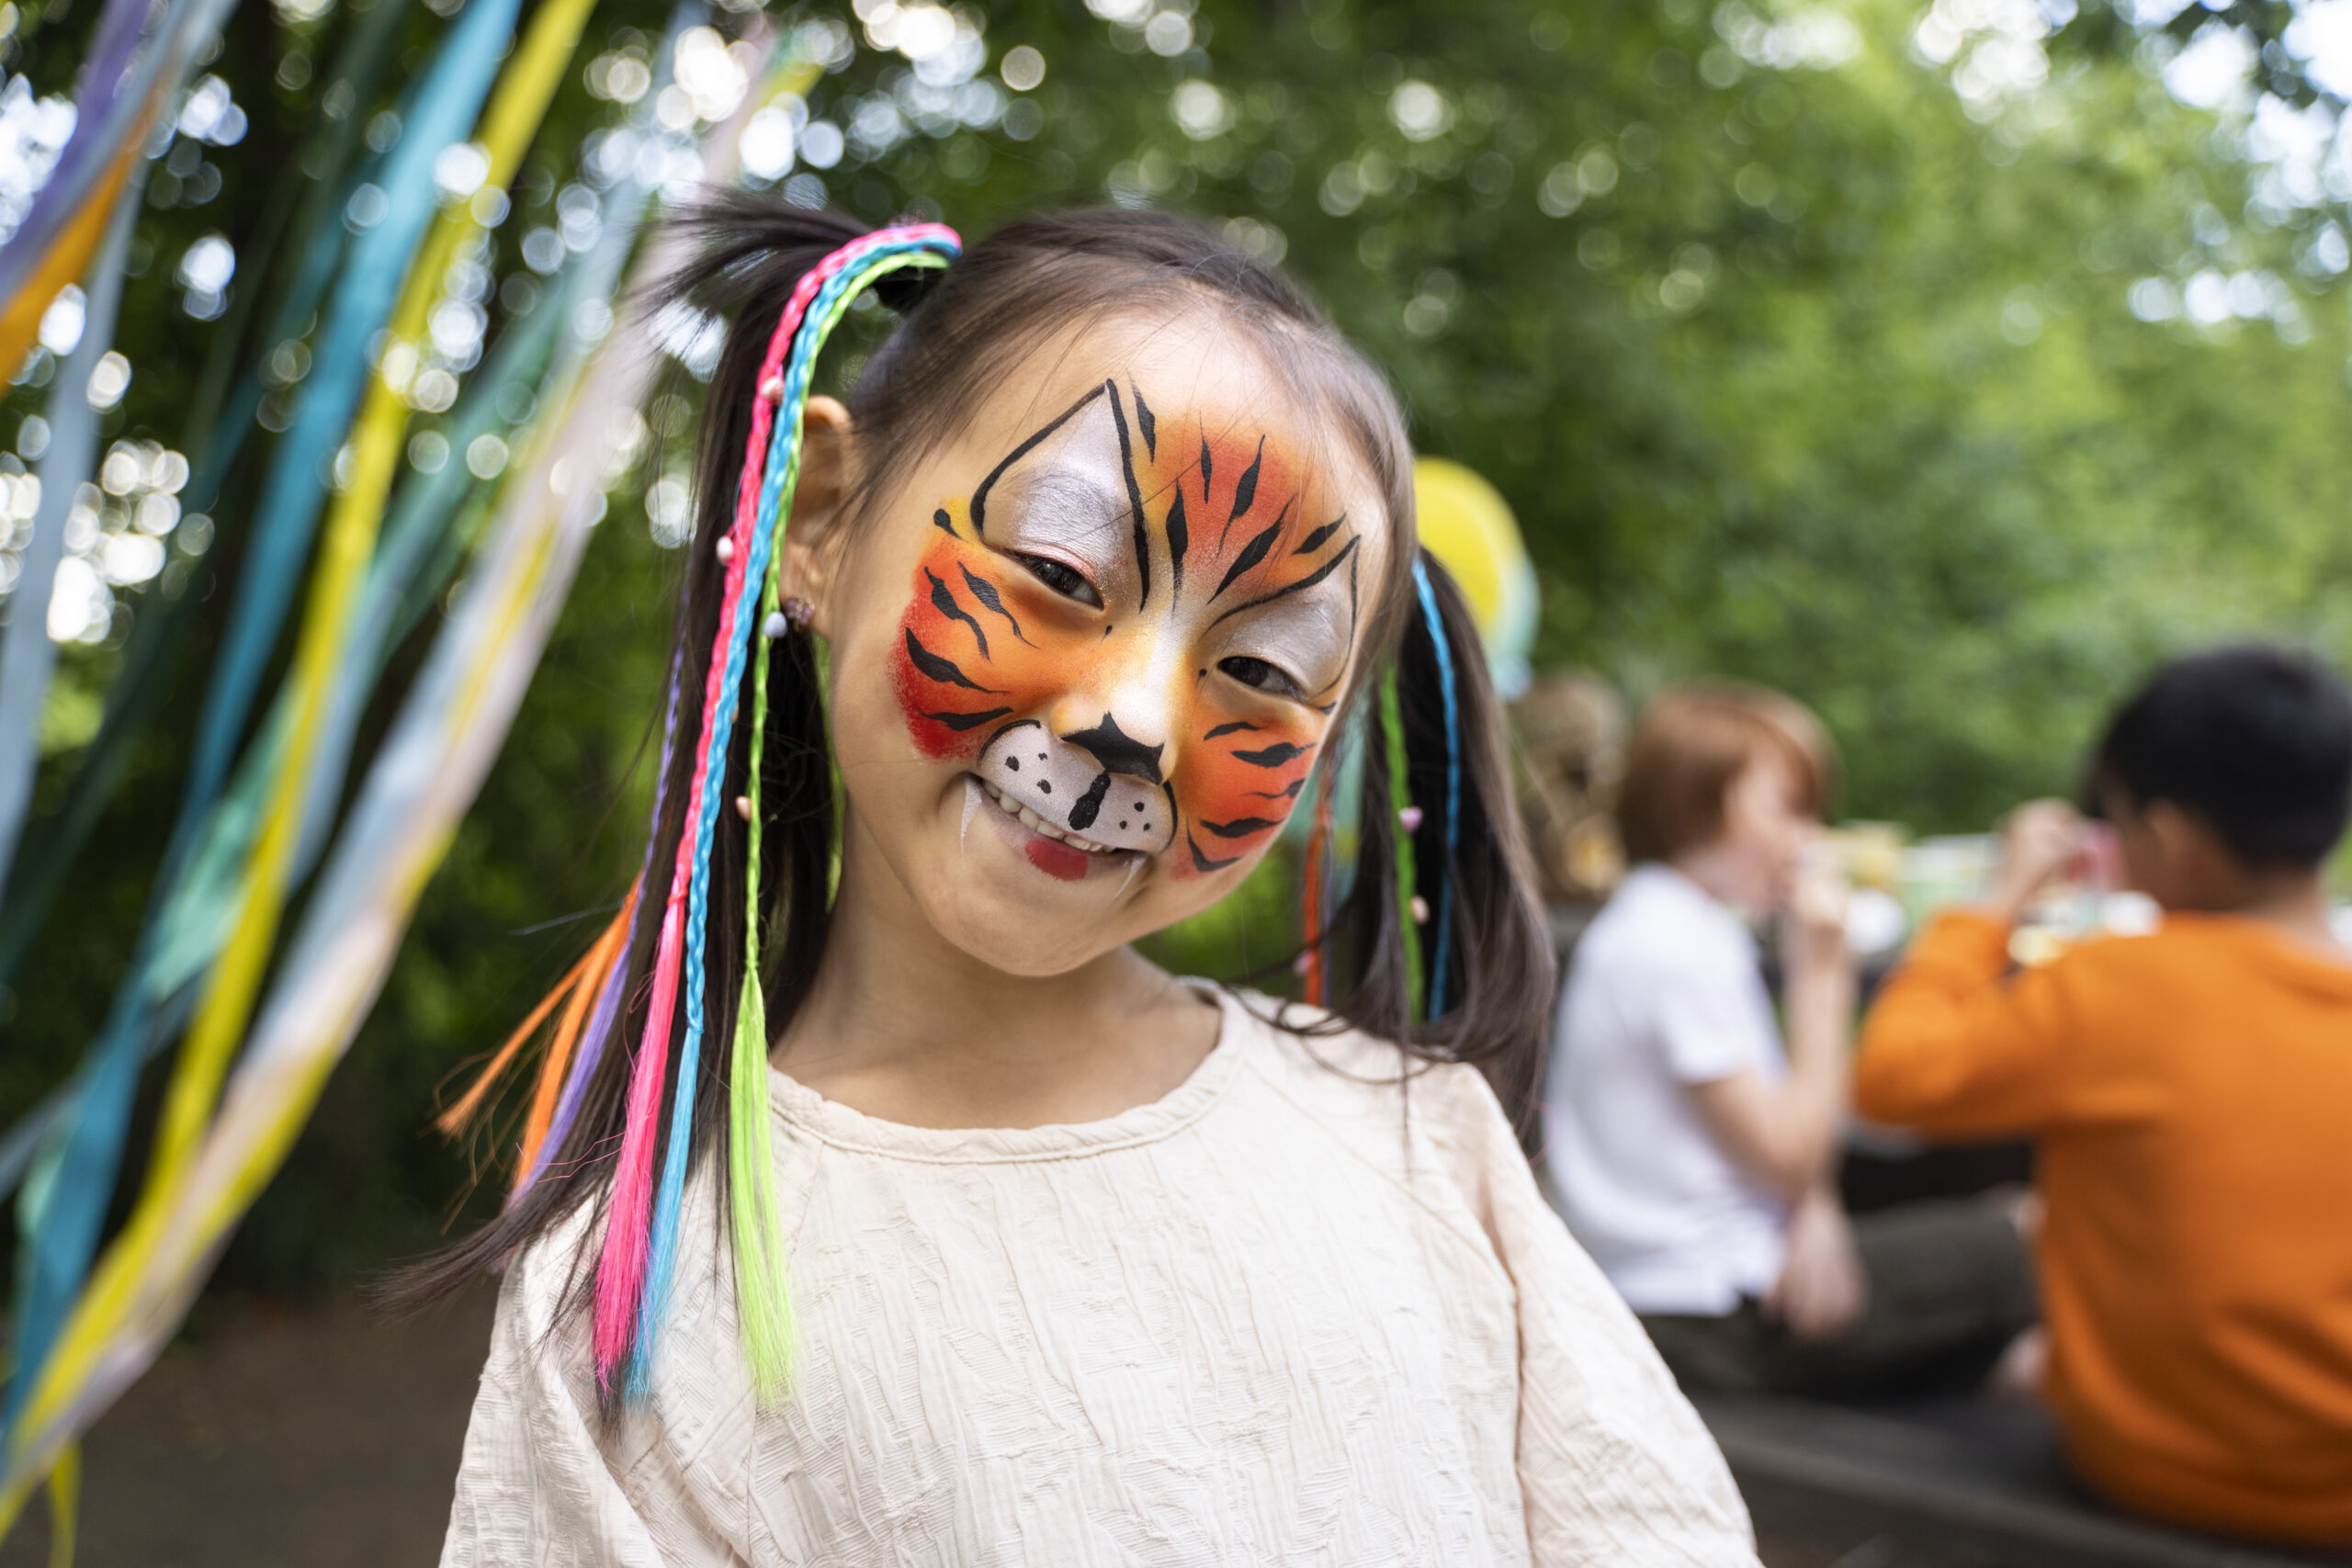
[1293, 1312]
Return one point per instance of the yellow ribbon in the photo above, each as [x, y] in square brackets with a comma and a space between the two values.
[516, 112]
[65, 1506]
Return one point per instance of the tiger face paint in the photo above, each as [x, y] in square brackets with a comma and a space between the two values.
[1132, 631]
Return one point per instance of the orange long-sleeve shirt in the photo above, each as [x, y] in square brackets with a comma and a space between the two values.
[2190, 1093]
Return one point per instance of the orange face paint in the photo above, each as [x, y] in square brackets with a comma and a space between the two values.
[1135, 629]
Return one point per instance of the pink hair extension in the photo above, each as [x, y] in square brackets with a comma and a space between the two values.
[621, 1266]
[620, 1270]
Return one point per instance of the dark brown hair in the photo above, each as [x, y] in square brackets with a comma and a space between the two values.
[962, 332]
[2256, 740]
[1693, 744]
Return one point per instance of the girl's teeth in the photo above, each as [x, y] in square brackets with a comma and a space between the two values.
[1037, 824]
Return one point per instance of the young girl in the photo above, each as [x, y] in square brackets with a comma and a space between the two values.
[1695, 1157]
[912, 1217]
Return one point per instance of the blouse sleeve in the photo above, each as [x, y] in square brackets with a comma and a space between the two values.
[1614, 1465]
[534, 1487]
[1953, 1049]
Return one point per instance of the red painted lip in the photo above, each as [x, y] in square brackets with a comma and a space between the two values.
[1057, 859]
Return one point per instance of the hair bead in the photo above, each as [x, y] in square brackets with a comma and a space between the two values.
[726, 549]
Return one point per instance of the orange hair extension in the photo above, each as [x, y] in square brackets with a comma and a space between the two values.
[455, 1119]
[600, 961]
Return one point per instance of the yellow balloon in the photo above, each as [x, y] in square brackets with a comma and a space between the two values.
[1467, 524]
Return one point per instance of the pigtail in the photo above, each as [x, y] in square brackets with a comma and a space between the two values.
[684, 990]
[1441, 943]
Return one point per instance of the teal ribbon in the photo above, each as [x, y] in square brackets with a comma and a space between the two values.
[221, 424]
[65, 1237]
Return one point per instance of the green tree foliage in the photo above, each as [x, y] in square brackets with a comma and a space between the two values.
[1939, 368]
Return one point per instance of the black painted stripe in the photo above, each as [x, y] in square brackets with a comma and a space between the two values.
[1202, 861]
[980, 497]
[1240, 827]
[1134, 498]
[985, 592]
[1179, 539]
[1251, 554]
[1234, 728]
[943, 601]
[1309, 580]
[1148, 425]
[1316, 541]
[968, 720]
[1290, 793]
[945, 523]
[1245, 490]
[1280, 753]
[1088, 807]
[943, 671]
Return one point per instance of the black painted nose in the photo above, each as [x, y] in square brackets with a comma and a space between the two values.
[1118, 751]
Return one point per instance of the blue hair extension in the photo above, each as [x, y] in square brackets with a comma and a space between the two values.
[884, 256]
[1427, 596]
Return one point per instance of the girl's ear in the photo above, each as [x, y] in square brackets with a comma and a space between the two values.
[814, 536]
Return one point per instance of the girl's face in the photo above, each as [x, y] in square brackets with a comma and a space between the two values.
[1085, 654]
[1766, 831]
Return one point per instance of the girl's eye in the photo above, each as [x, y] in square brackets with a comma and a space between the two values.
[1062, 579]
[1261, 676]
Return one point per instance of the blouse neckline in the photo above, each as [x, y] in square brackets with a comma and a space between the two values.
[837, 1125]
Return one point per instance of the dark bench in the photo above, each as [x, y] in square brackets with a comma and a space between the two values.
[1970, 1482]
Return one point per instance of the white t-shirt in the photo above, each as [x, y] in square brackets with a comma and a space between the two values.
[1294, 1313]
[1664, 992]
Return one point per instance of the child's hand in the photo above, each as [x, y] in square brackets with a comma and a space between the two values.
[2037, 842]
[1822, 1288]
[1813, 932]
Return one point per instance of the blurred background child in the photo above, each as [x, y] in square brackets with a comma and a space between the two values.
[1692, 1152]
[2189, 1092]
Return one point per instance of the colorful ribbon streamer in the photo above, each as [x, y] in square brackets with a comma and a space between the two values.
[444, 741]
[290, 501]
[116, 104]
[29, 655]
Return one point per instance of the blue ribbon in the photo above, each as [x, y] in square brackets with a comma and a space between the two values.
[1453, 784]
[60, 1249]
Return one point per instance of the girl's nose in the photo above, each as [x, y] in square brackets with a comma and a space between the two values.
[1117, 751]
[1127, 712]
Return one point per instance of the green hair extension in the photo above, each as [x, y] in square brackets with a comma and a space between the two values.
[762, 1294]
[1391, 719]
